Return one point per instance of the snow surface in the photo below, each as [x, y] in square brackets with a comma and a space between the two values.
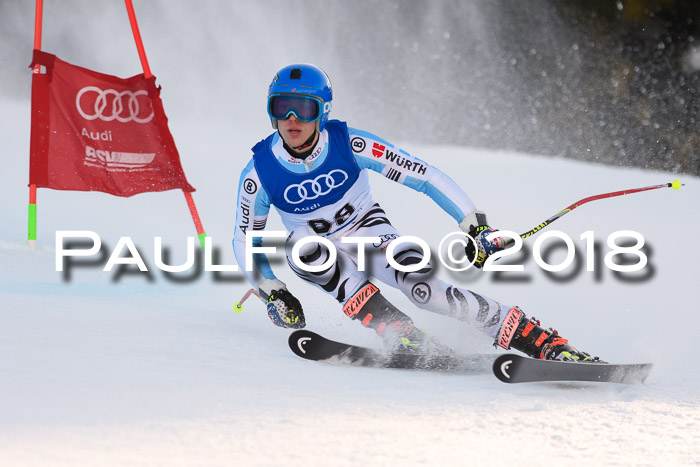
[133, 369]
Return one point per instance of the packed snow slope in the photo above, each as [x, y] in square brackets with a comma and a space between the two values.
[101, 368]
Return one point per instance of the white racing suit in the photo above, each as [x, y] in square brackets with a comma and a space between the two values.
[328, 195]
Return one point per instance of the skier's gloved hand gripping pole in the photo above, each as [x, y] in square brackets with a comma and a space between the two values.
[283, 308]
[486, 244]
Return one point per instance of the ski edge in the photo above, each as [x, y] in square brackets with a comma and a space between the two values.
[514, 369]
[509, 368]
[330, 351]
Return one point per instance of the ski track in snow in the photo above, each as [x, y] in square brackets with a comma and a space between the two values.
[107, 370]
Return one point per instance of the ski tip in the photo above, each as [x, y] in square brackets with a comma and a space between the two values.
[298, 342]
[676, 184]
[502, 367]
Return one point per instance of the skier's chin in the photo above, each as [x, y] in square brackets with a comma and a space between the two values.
[294, 140]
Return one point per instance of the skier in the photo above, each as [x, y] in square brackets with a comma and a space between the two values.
[314, 171]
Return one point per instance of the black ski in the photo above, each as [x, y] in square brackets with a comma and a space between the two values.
[511, 368]
[312, 346]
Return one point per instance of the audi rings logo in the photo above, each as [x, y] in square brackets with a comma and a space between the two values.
[109, 105]
[312, 189]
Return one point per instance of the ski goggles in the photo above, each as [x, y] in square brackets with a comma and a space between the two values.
[304, 108]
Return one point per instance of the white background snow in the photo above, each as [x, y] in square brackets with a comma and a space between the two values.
[102, 369]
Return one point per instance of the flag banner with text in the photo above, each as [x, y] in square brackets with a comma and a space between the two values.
[96, 132]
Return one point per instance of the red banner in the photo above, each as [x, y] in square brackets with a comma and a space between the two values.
[96, 132]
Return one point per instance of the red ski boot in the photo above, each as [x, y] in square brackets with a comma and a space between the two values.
[527, 336]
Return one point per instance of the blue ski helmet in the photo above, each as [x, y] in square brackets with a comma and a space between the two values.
[300, 80]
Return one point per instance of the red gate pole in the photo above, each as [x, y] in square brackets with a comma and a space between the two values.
[31, 217]
[147, 73]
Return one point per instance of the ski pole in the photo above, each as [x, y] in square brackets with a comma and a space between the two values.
[238, 306]
[676, 185]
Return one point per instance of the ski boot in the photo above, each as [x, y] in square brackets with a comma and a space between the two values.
[527, 336]
[395, 328]
[402, 336]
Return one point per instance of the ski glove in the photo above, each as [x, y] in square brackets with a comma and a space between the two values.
[480, 249]
[484, 248]
[285, 310]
